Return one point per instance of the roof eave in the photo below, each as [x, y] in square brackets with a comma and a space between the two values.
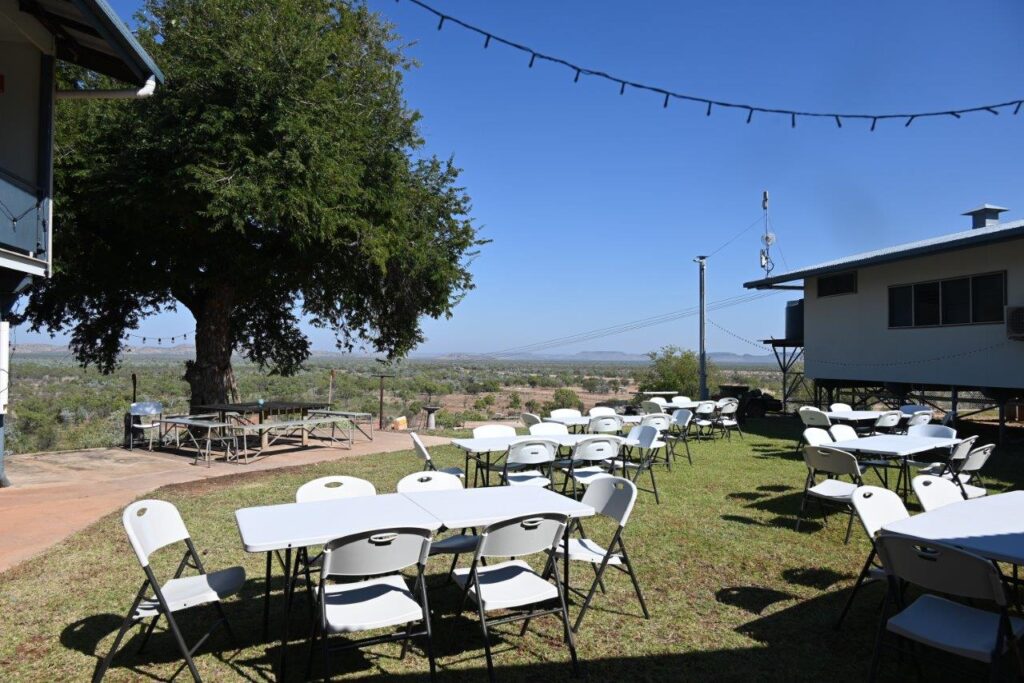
[138, 65]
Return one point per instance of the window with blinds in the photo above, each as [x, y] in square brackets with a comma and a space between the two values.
[974, 300]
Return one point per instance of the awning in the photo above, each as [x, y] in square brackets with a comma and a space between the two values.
[90, 34]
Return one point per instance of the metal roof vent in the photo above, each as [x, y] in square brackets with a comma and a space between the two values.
[984, 216]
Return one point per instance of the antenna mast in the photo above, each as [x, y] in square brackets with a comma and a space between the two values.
[767, 239]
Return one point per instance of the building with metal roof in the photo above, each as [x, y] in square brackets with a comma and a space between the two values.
[34, 35]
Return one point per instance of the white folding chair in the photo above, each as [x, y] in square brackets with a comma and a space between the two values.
[600, 410]
[704, 419]
[461, 543]
[726, 420]
[816, 436]
[875, 507]
[841, 432]
[659, 400]
[370, 604]
[814, 417]
[513, 585]
[428, 462]
[930, 430]
[612, 498]
[679, 431]
[935, 492]
[888, 422]
[150, 526]
[589, 461]
[144, 417]
[566, 412]
[936, 621]
[970, 471]
[549, 429]
[660, 421]
[681, 400]
[830, 462]
[332, 487]
[918, 420]
[840, 408]
[645, 441]
[529, 419]
[651, 407]
[528, 463]
[605, 424]
[957, 455]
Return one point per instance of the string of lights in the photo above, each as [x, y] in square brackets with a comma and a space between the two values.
[160, 339]
[757, 345]
[710, 104]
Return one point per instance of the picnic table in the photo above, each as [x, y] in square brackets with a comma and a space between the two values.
[356, 418]
[199, 429]
[895, 447]
[262, 410]
[270, 432]
[276, 529]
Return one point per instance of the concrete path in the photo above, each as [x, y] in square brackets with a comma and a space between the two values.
[87, 485]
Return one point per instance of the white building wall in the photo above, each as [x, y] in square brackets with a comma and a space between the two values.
[848, 337]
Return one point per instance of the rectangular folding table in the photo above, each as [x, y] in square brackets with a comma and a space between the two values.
[273, 529]
[894, 447]
[992, 527]
[481, 449]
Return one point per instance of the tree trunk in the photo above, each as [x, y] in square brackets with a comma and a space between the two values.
[210, 376]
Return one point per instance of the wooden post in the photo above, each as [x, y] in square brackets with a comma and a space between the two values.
[135, 386]
[330, 390]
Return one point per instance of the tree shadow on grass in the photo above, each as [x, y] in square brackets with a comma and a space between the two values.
[754, 599]
[779, 522]
[814, 577]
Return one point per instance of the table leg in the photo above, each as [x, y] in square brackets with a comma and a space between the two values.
[287, 609]
[266, 597]
[565, 562]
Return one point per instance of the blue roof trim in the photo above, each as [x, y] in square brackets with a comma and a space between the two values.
[118, 35]
[936, 245]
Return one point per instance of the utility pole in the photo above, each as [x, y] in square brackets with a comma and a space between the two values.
[702, 262]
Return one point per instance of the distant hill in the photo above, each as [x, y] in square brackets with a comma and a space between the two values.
[723, 358]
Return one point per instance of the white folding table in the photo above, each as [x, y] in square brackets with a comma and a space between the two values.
[584, 421]
[895, 447]
[481, 449]
[271, 529]
[855, 416]
[465, 508]
[992, 527]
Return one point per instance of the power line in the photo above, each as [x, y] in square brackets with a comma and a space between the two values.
[710, 104]
[758, 345]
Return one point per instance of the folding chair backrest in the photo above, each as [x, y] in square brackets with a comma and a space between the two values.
[612, 497]
[376, 552]
[681, 400]
[812, 417]
[548, 429]
[566, 412]
[660, 421]
[935, 492]
[816, 436]
[958, 455]
[877, 507]
[151, 525]
[491, 431]
[941, 568]
[428, 481]
[839, 433]
[659, 400]
[601, 410]
[334, 487]
[595, 449]
[532, 452]
[911, 408]
[142, 408]
[831, 461]
[646, 435]
[729, 409]
[529, 419]
[605, 424]
[651, 407]
[524, 535]
[723, 402]
[919, 419]
[420, 449]
[840, 408]
[936, 431]
[706, 408]
[889, 419]
[977, 458]
[681, 419]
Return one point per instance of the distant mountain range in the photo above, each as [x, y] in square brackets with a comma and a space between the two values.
[187, 350]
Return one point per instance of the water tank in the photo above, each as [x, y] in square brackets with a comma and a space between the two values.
[795, 320]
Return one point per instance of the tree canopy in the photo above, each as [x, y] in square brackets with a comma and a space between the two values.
[275, 176]
[674, 369]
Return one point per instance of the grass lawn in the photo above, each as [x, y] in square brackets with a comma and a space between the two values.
[735, 593]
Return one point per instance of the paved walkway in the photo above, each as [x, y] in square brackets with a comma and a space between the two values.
[57, 494]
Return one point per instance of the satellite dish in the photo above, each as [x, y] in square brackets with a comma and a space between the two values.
[768, 239]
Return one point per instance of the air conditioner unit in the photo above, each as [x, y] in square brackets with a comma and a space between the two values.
[1015, 322]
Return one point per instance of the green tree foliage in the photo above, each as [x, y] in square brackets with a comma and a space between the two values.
[673, 369]
[563, 398]
[514, 400]
[275, 176]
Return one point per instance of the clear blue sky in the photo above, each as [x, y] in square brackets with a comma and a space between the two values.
[596, 203]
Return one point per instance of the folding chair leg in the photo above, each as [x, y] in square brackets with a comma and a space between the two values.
[147, 633]
[227, 623]
[181, 642]
[800, 514]
[569, 640]
[856, 587]
[487, 639]
[634, 579]
[849, 528]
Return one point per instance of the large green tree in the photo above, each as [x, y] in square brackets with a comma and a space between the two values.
[274, 177]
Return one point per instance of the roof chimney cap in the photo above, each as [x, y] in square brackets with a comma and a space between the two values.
[984, 216]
